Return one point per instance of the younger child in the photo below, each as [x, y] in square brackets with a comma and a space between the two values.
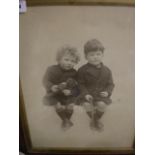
[61, 86]
[95, 83]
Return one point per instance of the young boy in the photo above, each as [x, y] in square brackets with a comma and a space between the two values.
[95, 83]
[60, 84]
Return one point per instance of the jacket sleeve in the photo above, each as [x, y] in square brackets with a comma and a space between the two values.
[48, 79]
[81, 83]
[110, 84]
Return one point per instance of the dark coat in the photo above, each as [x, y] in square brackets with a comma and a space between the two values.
[93, 80]
[55, 75]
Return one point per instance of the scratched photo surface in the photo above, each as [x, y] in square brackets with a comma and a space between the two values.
[45, 29]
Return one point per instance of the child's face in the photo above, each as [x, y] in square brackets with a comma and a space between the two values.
[94, 57]
[67, 62]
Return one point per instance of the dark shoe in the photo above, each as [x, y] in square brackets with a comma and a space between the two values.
[92, 124]
[70, 123]
[99, 126]
[66, 124]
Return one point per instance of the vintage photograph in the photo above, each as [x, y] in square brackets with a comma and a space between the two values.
[77, 75]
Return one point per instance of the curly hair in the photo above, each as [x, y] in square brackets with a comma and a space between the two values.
[93, 45]
[72, 51]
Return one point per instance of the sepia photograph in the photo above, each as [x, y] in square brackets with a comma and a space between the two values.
[77, 77]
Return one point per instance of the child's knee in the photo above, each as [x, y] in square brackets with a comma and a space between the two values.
[101, 106]
[87, 106]
[70, 107]
[59, 107]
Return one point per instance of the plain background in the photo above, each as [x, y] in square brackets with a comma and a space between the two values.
[145, 134]
[45, 29]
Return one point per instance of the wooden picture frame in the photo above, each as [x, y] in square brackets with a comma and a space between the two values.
[25, 141]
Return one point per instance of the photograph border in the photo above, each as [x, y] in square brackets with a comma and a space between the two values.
[25, 139]
[80, 2]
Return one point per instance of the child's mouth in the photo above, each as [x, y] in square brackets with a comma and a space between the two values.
[67, 67]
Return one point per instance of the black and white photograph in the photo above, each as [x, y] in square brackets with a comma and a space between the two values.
[77, 77]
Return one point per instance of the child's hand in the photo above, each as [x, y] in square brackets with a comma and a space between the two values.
[54, 88]
[66, 92]
[62, 85]
[88, 97]
[104, 94]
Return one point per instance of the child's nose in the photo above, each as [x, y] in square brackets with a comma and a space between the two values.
[69, 63]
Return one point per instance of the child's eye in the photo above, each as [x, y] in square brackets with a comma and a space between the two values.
[91, 54]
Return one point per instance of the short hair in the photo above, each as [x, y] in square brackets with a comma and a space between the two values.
[93, 45]
[68, 50]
